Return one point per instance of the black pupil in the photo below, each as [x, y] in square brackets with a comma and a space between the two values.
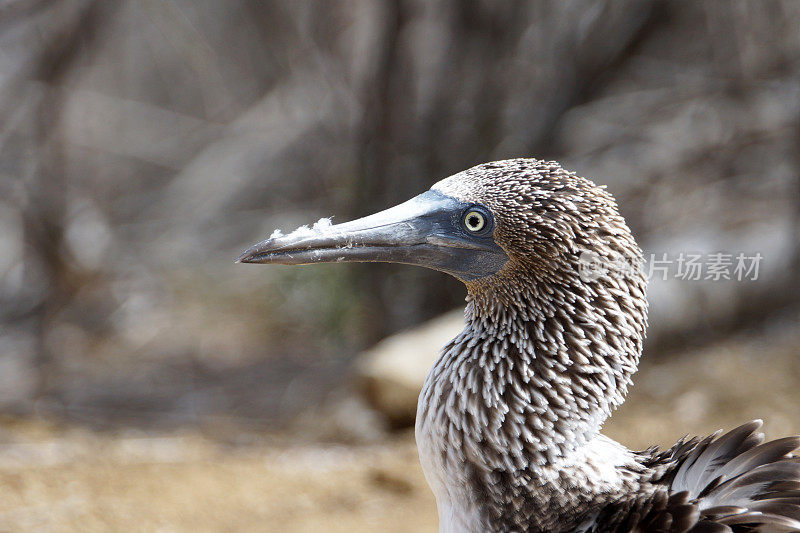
[473, 221]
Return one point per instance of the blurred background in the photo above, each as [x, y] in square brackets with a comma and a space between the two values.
[147, 382]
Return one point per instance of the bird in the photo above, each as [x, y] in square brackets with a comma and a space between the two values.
[508, 424]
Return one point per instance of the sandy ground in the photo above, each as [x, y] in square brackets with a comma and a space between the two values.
[57, 478]
[84, 482]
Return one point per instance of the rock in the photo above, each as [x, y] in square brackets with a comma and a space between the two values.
[390, 375]
[17, 371]
[344, 417]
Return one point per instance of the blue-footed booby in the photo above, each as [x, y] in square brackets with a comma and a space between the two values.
[509, 418]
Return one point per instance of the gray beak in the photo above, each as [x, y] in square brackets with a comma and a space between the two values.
[424, 231]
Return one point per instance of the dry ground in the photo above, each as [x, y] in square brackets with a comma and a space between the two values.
[56, 478]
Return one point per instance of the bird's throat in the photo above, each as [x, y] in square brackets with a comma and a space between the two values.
[528, 383]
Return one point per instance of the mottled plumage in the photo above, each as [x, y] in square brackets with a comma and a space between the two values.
[508, 421]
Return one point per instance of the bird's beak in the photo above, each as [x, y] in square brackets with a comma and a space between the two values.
[424, 231]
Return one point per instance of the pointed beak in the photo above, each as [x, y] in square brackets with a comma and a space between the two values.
[424, 231]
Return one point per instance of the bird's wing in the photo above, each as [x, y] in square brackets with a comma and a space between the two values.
[733, 482]
[730, 483]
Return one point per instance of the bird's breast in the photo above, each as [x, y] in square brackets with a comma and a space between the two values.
[475, 494]
[445, 471]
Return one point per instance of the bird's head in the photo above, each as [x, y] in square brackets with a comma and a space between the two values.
[538, 249]
[513, 221]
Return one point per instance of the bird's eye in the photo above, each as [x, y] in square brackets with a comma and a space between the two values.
[475, 221]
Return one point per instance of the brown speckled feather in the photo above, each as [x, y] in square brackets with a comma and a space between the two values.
[509, 417]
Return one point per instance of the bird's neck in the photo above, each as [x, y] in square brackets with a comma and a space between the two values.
[539, 368]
